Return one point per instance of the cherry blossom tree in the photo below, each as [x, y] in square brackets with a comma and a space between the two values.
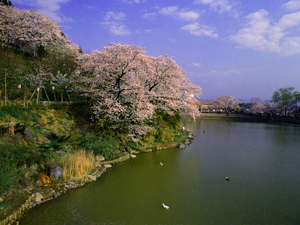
[167, 88]
[37, 79]
[264, 107]
[127, 86]
[29, 30]
[296, 107]
[62, 81]
[111, 78]
[257, 106]
[270, 108]
[226, 102]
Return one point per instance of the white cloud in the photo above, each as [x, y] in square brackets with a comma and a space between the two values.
[169, 11]
[263, 34]
[224, 72]
[149, 16]
[114, 23]
[200, 30]
[197, 64]
[291, 46]
[114, 16]
[189, 16]
[292, 5]
[133, 1]
[148, 30]
[174, 12]
[144, 31]
[221, 6]
[290, 20]
[193, 28]
[49, 8]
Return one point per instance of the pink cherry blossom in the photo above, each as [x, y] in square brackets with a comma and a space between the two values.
[128, 86]
[29, 30]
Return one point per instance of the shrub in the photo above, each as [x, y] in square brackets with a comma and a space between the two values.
[3, 129]
[12, 112]
[172, 121]
[135, 145]
[149, 138]
[162, 132]
[105, 145]
[25, 117]
[13, 154]
[9, 177]
[12, 158]
[164, 128]
[2, 114]
[46, 150]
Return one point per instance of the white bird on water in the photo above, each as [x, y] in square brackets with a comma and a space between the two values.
[161, 163]
[165, 206]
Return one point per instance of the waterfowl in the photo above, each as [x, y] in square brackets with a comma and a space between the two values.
[165, 206]
[227, 178]
[161, 163]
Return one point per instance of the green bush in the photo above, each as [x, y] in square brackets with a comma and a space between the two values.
[23, 114]
[12, 112]
[135, 145]
[164, 128]
[172, 121]
[25, 117]
[3, 129]
[12, 158]
[48, 149]
[105, 145]
[162, 134]
[9, 177]
[2, 114]
[149, 138]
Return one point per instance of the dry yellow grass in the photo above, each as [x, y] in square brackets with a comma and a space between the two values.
[77, 165]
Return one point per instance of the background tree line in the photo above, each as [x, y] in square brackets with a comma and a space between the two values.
[284, 101]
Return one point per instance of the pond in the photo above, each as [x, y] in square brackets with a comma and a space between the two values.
[260, 159]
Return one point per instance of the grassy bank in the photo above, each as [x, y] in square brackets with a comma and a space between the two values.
[34, 140]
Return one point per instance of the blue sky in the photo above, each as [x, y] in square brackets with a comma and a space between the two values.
[241, 48]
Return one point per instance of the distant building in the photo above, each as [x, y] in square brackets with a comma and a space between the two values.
[207, 108]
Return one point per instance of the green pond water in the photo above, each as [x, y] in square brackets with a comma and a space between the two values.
[261, 160]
